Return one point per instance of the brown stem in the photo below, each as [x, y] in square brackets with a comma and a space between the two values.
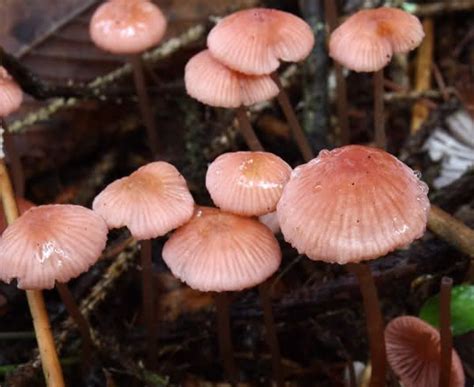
[49, 358]
[379, 119]
[226, 348]
[247, 131]
[81, 322]
[445, 332]
[148, 302]
[375, 324]
[18, 175]
[144, 103]
[341, 88]
[295, 127]
[271, 334]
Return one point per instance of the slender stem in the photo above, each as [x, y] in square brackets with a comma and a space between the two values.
[81, 322]
[445, 332]
[145, 104]
[330, 10]
[226, 348]
[379, 118]
[18, 175]
[352, 374]
[49, 358]
[148, 302]
[295, 127]
[375, 324]
[247, 131]
[272, 338]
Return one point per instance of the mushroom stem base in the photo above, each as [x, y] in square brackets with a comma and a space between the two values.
[271, 333]
[375, 324]
[226, 348]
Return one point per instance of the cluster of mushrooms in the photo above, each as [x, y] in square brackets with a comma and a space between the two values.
[346, 206]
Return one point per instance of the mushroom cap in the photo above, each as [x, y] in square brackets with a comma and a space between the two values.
[11, 95]
[127, 26]
[413, 350]
[51, 243]
[367, 40]
[218, 251]
[247, 183]
[152, 201]
[23, 206]
[253, 41]
[352, 204]
[214, 84]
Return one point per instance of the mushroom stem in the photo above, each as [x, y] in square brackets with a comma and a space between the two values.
[71, 306]
[379, 119]
[446, 337]
[375, 324]
[144, 103]
[247, 131]
[341, 88]
[148, 301]
[226, 348]
[15, 161]
[295, 127]
[271, 334]
[49, 357]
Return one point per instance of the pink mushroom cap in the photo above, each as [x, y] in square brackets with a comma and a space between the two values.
[253, 41]
[51, 243]
[367, 40]
[127, 26]
[11, 95]
[247, 183]
[413, 351]
[214, 84]
[152, 201]
[218, 251]
[23, 206]
[352, 204]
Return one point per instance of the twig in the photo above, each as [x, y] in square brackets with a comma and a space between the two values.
[424, 66]
[166, 49]
[441, 7]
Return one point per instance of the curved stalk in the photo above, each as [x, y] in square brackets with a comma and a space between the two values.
[379, 118]
[375, 324]
[247, 131]
[445, 357]
[49, 357]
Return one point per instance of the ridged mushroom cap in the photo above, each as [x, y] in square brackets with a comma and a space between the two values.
[247, 183]
[11, 95]
[367, 40]
[51, 243]
[218, 251]
[127, 26]
[413, 350]
[352, 204]
[214, 84]
[152, 201]
[253, 41]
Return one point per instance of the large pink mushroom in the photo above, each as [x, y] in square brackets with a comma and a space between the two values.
[150, 202]
[354, 204]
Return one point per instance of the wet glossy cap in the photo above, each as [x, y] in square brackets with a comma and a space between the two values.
[152, 201]
[247, 183]
[253, 41]
[218, 251]
[127, 26]
[11, 95]
[352, 204]
[214, 84]
[51, 243]
[413, 350]
[367, 40]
